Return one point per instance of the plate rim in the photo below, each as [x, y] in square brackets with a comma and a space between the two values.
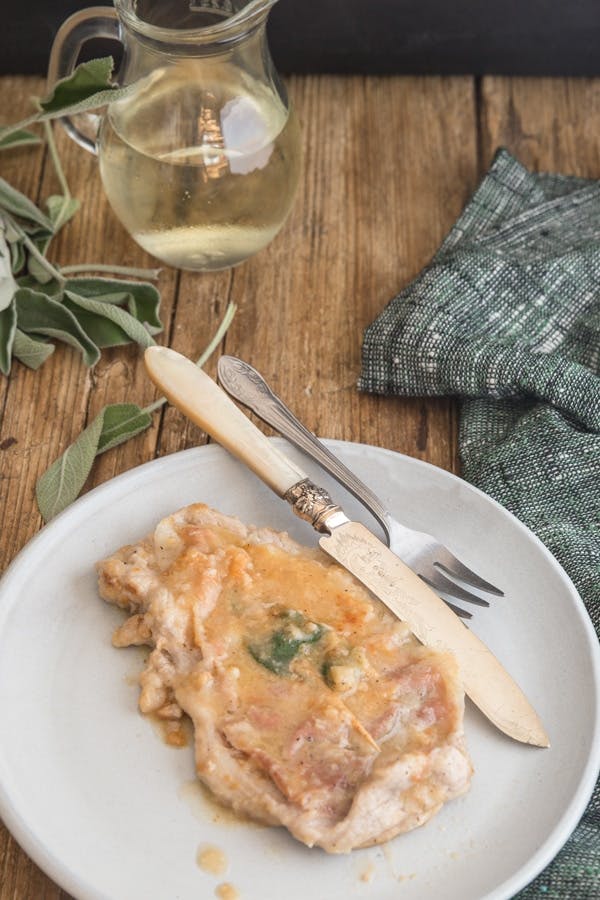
[60, 872]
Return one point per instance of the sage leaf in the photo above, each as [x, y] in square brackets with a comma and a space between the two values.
[36, 267]
[13, 201]
[63, 481]
[8, 285]
[101, 330]
[61, 484]
[86, 80]
[37, 271]
[50, 289]
[141, 298]
[31, 351]
[121, 422]
[97, 311]
[11, 233]
[61, 209]
[15, 243]
[8, 326]
[17, 256]
[88, 87]
[40, 314]
[19, 138]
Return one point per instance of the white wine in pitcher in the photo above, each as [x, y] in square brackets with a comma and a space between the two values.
[200, 159]
[201, 174]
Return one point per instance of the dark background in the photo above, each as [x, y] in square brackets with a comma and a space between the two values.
[518, 37]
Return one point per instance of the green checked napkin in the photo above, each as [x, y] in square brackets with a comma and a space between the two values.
[507, 317]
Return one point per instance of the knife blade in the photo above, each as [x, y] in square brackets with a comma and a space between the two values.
[485, 680]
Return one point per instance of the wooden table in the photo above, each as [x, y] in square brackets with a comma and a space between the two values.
[388, 165]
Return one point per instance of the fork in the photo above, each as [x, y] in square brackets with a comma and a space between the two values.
[422, 552]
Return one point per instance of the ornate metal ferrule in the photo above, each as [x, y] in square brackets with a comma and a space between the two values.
[313, 503]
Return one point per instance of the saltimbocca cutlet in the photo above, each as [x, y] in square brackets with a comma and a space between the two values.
[312, 706]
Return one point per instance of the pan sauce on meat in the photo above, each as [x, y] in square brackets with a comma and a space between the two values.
[313, 707]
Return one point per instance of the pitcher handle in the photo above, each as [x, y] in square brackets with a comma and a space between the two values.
[95, 22]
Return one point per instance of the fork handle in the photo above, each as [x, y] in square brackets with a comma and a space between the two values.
[243, 382]
[189, 389]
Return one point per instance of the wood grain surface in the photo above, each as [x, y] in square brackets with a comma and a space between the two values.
[388, 164]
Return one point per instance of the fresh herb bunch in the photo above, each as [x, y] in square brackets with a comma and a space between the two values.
[40, 302]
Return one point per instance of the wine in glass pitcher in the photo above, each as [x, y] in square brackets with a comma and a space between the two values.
[200, 161]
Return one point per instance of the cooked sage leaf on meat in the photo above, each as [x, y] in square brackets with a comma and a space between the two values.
[277, 651]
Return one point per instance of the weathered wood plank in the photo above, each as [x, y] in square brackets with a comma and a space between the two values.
[23, 168]
[550, 124]
[201, 303]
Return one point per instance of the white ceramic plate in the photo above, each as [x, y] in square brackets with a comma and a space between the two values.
[109, 811]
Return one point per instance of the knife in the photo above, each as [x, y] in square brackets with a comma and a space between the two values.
[351, 544]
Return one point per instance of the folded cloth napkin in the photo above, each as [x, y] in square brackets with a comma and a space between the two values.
[507, 318]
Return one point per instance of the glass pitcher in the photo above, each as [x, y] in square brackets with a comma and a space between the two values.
[201, 161]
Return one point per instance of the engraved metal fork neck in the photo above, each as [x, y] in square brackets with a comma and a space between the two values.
[314, 504]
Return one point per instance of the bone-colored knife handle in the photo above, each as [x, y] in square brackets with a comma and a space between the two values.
[192, 391]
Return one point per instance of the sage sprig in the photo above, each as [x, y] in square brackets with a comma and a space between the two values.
[88, 87]
[62, 483]
[40, 303]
